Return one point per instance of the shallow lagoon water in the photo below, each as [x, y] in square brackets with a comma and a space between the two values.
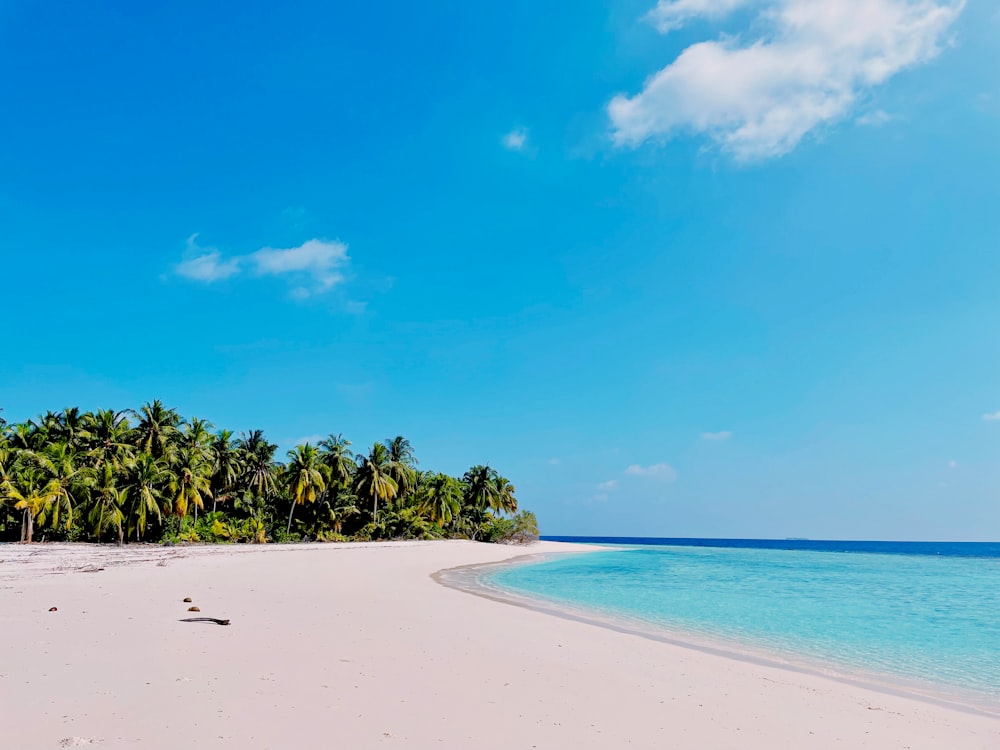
[928, 619]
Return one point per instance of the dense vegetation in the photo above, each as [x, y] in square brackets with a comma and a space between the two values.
[150, 475]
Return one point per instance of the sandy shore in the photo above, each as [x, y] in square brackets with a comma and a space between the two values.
[356, 646]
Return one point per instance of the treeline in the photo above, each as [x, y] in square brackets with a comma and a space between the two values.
[150, 475]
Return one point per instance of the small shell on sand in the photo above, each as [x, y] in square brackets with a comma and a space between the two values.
[53, 609]
[187, 598]
[194, 609]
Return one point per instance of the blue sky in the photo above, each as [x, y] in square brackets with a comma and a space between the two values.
[702, 267]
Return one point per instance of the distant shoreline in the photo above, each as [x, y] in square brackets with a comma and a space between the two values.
[948, 548]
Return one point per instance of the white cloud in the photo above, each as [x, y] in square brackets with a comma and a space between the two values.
[807, 63]
[316, 259]
[662, 471]
[554, 462]
[515, 140]
[672, 14]
[607, 486]
[720, 436]
[313, 267]
[995, 416]
[953, 464]
[875, 119]
[205, 263]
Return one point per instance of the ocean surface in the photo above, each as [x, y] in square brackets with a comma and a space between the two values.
[918, 614]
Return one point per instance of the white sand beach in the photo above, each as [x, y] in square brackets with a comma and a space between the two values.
[356, 646]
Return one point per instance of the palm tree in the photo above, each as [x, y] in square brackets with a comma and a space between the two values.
[226, 467]
[505, 501]
[402, 463]
[192, 462]
[440, 499]
[106, 510]
[30, 491]
[24, 436]
[374, 478]
[401, 451]
[480, 496]
[257, 460]
[71, 428]
[189, 484]
[157, 427]
[337, 456]
[304, 477]
[108, 437]
[59, 463]
[146, 480]
[481, 489]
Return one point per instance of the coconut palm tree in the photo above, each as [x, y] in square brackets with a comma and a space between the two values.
[31, 492]
[257, 460]
[335, 452]
[304, 476]
[156, 428]
[71, 428]
[440, 499]
[144, 489]
[106, 510]
[226, 467]
[504, 499]
[480, 496]
[109, 436]
[402, 463]
[25, 436]
[481, 489]
[374, 480]
[61, 464]
[190, 482]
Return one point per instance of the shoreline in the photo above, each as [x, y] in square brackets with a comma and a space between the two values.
[359, 643]
[464, 578]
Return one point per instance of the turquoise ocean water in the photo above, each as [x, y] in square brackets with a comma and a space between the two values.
[929, 620]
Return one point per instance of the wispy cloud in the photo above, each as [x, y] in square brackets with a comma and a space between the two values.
[317, 260]
[313, 267]
[607, 486]
[719, 437]
[554, 462]
[876, 118]
[994, 417]
[515, 140]
[205, 263]
[663, 471]
[805, 63]
[953, 464]
[669, 15]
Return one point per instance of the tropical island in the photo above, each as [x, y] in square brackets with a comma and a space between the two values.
[152, 475]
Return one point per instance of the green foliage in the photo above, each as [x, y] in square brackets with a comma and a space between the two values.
[151, 475]
[521, 528]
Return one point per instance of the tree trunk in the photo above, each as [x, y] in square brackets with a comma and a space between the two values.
[375, 509]
[289, 530]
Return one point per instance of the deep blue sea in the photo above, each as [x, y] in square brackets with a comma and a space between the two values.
[917, 613]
